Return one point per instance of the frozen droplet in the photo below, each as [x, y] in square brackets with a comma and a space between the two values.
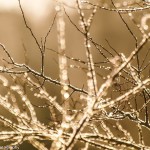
[24, 98]
[66, 95]
[144, 20]
[57, 8]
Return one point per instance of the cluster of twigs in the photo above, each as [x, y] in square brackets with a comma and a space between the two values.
[106, 111]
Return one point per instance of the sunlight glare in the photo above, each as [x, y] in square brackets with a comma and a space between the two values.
[8, 4]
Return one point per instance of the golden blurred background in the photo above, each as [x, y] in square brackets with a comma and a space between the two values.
[39, 15]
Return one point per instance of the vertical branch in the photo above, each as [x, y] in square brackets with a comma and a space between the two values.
[63, 73]
[91, 79]
[91, 76]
